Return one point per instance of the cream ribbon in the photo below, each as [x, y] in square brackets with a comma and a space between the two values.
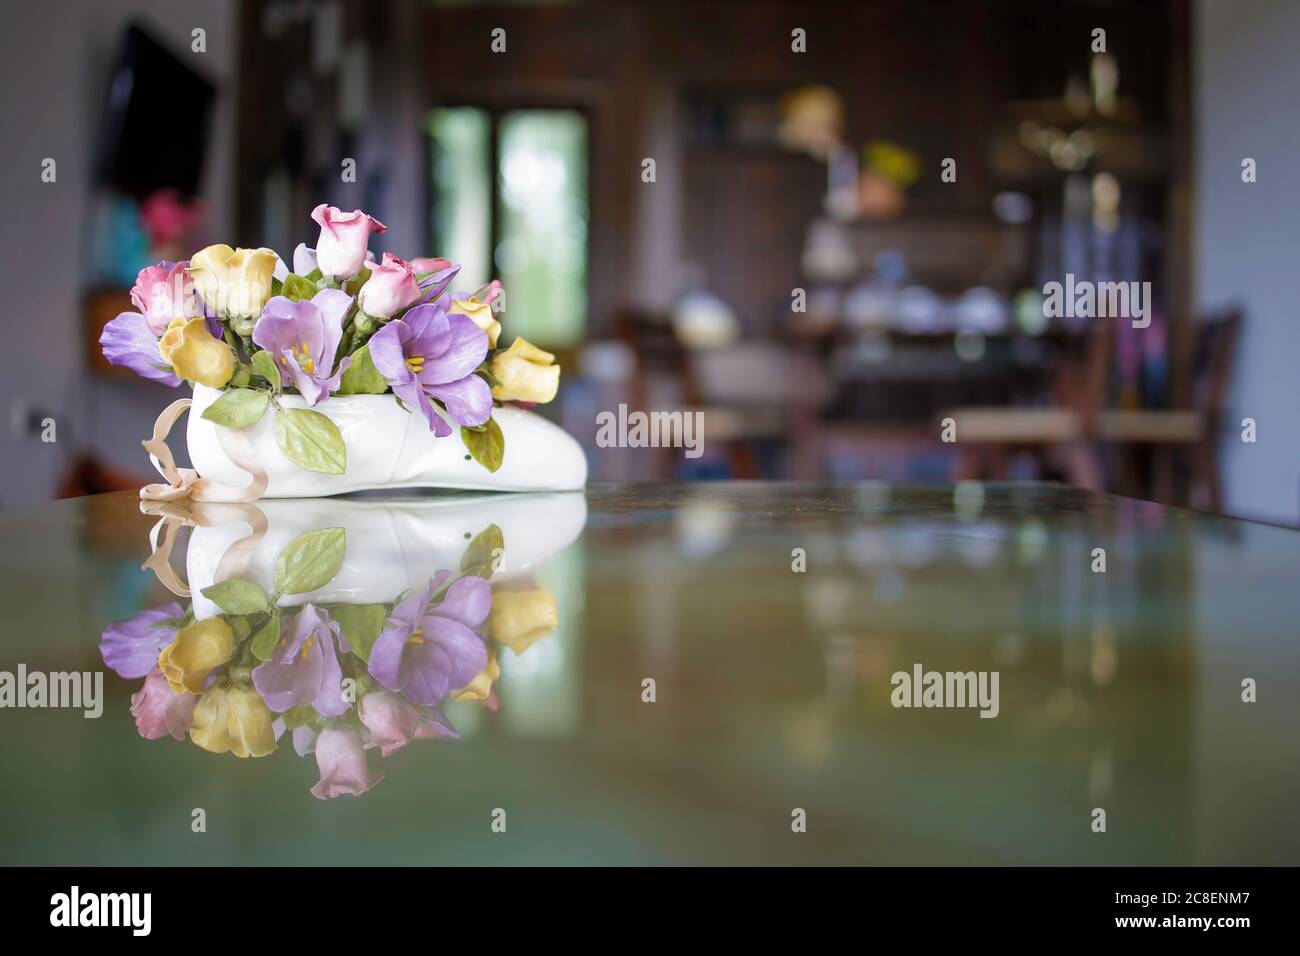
[162, 538]
[185, 483]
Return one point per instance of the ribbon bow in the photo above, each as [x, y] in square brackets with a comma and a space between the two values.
[185, 483]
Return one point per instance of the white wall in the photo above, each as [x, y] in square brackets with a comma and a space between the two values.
[57, 58]
[1246, 88]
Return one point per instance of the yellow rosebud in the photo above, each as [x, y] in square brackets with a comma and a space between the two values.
[197, 649]
[195, 355]
[524, 373]
[235, 719]
[480, 313]
[234, 282]
[481, 685]
[519, 618]
[171, 337]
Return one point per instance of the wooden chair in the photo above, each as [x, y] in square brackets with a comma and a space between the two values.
[1169, 436]
[1059, 434]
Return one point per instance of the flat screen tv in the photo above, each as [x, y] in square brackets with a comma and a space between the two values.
[156, 128]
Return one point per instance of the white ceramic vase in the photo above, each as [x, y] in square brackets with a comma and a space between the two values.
[393, 547]
[388, 447]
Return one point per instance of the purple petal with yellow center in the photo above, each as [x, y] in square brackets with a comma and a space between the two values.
[304, 667]
[427, 659]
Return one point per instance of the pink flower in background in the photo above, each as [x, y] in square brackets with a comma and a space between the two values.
[391, 287]
[158, 711]
[168, 217]
[341, 760]
[344, 236]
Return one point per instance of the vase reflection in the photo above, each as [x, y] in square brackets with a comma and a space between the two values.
[338, 627]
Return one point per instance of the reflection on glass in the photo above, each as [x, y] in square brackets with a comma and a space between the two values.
[346, 625]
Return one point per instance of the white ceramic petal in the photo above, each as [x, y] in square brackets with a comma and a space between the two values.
[388, 447]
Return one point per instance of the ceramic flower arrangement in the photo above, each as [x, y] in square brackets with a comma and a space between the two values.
[339, 324]
[340, 679]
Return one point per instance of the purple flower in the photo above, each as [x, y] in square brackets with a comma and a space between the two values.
[130, 648]
[425, 652]
[303, 336]
[127, 341]
[428, 353]
[434, 285]
[304, 666]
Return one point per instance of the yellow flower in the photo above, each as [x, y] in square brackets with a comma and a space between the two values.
[524, 373]
[235, 282]
[233, 718]
[519, 618]
[481, 685]
[187, 661]
[480, 313]
[195, 355]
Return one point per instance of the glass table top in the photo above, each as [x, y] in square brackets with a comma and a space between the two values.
[715, 673]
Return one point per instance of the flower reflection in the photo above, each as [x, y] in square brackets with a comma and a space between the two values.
[339, 677]
[430, 646]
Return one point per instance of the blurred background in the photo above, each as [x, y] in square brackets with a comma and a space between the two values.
[804, 265]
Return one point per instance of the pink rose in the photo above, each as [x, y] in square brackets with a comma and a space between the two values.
[426, 264]
[158, 711]
[391, 287]
[341, 249]
[159, 295]
[342, 764]
[393, 722]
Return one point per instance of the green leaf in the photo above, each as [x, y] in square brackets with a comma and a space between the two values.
[362, 378]
[310, 561]
[314, 275]
[264, 365]
[488, 446]
[484, 552]
[311, 441]
[236, 596]
[299, 716]
[267, 635]
[296, 288]
[361, 624]
[356, 282]
[238, 408]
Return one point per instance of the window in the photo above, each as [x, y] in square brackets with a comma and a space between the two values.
[510, 201]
